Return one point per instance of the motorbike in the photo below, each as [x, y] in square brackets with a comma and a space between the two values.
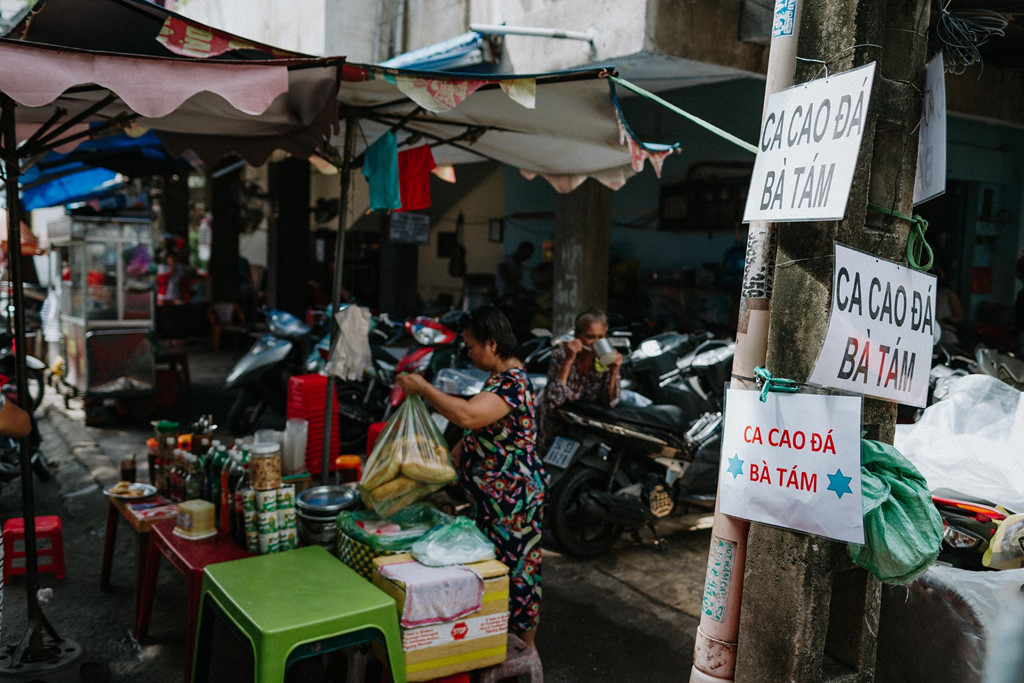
[261, 375]
[626, 467]
[10, 456]
[437, 345]
[35, 373]
[1002, 366]
[968, 525]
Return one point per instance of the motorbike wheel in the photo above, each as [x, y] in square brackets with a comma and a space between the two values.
[574, 530]
[39, 466]
[244, 413]
[353, 431]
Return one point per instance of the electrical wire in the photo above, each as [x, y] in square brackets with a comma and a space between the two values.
[964, 32]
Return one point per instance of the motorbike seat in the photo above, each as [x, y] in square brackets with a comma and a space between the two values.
[668, 418]
[952, 494]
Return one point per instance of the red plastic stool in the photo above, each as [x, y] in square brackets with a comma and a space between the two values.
[371, 436]
[49, 546]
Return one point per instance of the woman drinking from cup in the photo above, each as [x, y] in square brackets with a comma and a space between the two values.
[584, 369]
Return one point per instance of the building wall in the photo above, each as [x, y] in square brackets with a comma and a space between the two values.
[484, 202]
[295, 25]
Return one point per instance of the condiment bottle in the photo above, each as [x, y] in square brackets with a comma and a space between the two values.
[193, 478]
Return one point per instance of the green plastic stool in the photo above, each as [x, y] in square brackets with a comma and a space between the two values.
[292, 605]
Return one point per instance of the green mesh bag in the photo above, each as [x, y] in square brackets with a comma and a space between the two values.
[902, 528]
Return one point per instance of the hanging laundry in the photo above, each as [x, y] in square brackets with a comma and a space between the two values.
[414, 167]
[380, 166]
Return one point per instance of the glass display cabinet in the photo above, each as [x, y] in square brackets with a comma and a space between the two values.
[106, 295]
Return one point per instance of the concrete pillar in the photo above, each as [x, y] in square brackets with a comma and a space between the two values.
[288, 237]
[174, 204]
[225, 192]
[397, 274]
[583, 229]
[808, 613]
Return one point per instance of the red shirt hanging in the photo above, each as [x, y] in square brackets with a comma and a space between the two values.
[414, 167]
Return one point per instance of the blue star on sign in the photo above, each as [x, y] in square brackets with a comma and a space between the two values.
[735, 466]
[839, 483]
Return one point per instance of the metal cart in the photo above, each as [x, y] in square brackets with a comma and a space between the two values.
[106, 295]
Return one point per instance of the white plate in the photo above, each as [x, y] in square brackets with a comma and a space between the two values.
[136, 492]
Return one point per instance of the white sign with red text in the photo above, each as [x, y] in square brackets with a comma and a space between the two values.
[793, 461]
[880, 331]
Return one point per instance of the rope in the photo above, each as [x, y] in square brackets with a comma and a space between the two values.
[767, 383]
[699, 121]
[917, 246]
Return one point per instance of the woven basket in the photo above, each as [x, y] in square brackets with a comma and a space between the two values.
[358, 555]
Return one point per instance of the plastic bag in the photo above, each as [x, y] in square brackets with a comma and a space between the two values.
[1006, 549]
[458, 542]
[971, 441]
[902, 528]
[409, 461]
[412, 522]
[351, 353]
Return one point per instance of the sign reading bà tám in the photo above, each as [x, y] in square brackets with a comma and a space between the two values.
[807, 152]
[880, 331]
[793, 461]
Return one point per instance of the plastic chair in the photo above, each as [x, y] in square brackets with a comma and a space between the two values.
[225, 316]
[292, 605]
[49, 546]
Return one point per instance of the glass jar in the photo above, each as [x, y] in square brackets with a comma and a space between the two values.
[265, 466]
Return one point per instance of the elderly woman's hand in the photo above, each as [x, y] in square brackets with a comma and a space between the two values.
[412, 384]
[574, 347]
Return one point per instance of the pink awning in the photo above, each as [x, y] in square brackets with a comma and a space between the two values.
[212, 107]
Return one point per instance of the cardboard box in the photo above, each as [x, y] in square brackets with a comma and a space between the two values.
[474, 641]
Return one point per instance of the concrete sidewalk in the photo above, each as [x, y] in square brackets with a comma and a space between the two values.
[607, 619]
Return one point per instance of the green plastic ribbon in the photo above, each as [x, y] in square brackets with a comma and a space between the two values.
[768, 383]
[685, 114]
[917, 246]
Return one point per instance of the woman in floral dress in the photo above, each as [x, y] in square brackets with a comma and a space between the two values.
[497, 459]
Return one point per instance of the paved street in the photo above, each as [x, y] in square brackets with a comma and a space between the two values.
[602, 619]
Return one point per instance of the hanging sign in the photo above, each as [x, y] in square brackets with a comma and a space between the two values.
[793, 462]
[411, 228]
[808, 149]
[931, 136]
[880, 330]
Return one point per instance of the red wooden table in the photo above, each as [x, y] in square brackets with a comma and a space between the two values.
[189, 557]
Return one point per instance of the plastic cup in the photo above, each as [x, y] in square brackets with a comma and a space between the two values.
[128, 469]
[296, 431]
[269, 436]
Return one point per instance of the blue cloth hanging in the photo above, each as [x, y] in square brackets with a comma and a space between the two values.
[380, 166]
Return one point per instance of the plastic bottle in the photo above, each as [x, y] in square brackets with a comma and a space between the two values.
[208, 469]
[193, 478]
[239, 529]
[220, 456]
[176, 476]
[227, 494]
[234, 475]
[167, 441]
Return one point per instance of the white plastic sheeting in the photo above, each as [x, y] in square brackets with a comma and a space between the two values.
[972, 442]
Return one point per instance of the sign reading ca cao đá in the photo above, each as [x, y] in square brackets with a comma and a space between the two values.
[793, 461]
[808, 149]
[880, 331]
